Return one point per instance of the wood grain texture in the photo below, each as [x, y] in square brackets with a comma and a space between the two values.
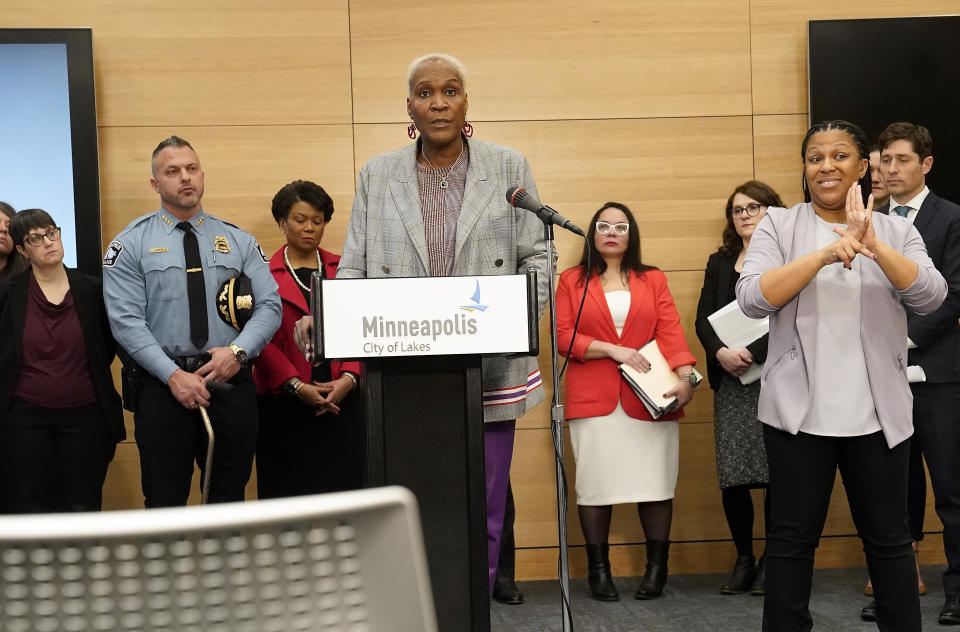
[243, 167]
[559, 59]
[776, 146]
[223, 62]
[778, 37]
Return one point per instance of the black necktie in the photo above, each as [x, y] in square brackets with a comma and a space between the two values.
[196, 289]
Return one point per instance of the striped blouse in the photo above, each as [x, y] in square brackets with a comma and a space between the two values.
[441, 195]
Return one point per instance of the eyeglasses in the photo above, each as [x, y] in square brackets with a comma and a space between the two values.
[750, 210]
[605, 227]
[35, 239]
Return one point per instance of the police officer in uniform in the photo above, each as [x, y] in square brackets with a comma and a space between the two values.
[161, 277]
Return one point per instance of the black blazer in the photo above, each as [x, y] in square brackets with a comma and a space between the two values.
[937, 335]
[88, 296]
[717, 292]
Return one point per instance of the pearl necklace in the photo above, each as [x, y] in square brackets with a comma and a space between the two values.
[443, 178]
[286, 260]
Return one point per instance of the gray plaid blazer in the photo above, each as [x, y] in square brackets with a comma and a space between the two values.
[386, 238]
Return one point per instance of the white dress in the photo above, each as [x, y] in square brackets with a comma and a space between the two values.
[621, 459]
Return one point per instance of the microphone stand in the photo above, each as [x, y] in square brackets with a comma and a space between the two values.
[556, 429]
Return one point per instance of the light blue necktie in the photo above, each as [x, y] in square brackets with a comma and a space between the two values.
[901, 210]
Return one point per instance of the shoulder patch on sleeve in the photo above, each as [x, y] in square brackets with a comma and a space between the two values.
[260, 250]
[112, 254]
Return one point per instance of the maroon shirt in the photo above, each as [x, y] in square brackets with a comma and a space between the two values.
[54, 372]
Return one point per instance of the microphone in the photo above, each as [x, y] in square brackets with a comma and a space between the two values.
[518, 197]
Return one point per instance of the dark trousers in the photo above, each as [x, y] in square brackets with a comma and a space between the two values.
[299, 453]
[802, 472]
[916, 491]
[171, 439]
[55, 460]
[936, 427]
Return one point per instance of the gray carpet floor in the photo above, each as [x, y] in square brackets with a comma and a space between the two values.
[693, 603]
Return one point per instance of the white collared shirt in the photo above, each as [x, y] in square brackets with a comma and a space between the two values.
[914, 204]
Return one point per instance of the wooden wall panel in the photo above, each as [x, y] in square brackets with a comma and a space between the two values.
[778, 39]
[533, 478]
[776, 146]
[243, 167]
[685, 287]
[223, 62]
[560, 59]
[122, 488]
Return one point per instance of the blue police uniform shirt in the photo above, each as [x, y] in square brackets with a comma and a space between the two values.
[145, 289]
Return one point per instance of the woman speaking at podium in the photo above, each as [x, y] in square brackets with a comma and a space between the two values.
[436, 207]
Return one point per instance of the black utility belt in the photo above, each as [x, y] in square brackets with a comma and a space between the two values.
[190, 364]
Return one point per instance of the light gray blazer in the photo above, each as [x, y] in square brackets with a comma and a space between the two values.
[386, 238]
[787, 234]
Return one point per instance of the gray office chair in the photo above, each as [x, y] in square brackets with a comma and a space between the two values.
[350, 562]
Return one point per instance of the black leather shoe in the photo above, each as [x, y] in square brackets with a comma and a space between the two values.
[742, 576]
[506, 591]
[599, 578]
[759, 587]
[950, 615]
[869, 611]
[655, 577]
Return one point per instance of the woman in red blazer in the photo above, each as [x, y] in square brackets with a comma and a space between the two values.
[622, 454]
[309, 438]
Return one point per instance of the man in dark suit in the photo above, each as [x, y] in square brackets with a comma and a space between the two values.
[934, 340]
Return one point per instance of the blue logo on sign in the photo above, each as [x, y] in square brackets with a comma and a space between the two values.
[475, 301]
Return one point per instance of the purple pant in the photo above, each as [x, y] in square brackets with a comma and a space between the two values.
[498, 452]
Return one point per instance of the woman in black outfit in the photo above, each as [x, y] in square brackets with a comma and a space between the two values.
[741, 457]
[60, 415]
[309, 439]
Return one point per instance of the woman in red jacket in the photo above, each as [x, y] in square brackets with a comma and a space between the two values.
[309, 439]
[622, 454]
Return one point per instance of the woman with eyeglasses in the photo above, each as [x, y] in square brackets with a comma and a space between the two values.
[60, 415]
[741, 458]
[623, 455]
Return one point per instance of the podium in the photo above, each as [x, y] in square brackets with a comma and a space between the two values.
[422, 341]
